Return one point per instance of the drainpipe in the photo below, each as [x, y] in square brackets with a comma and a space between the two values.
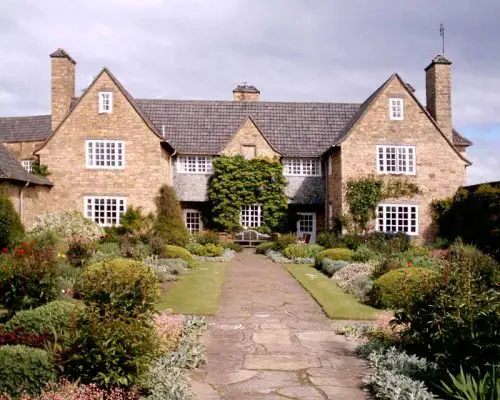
[21, 201]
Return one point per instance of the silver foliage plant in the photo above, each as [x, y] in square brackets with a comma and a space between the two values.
[278, 257]
[225, 257]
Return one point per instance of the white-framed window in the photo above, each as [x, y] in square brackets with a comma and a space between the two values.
[105, 154]
[396, 109]
[194, 164]
[397, 218]
[193, 220]
[105, 102]
[251, 216]
[396, 160]
[302, 166]
[27, 165]
[105, 210]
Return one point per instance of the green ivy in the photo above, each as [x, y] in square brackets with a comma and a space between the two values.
[40, 169]
[237, 182]
[364, 194]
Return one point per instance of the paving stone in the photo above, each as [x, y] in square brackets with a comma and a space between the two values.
[204, 391]
[320, 336]
[229, 378]
[341, 393]
[285, 362]
[272, 337]
[301, 392]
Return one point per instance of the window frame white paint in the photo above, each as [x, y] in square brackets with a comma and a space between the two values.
[288, 166]
[183, 161]
[314, 228]
[385, 223]
[90, 161]
[92, 217]
[105, 97]
[27, 164]
[247, 214]
[394, 104]
[405, 150]
[187, 211]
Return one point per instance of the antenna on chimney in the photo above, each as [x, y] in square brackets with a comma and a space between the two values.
[441, 33]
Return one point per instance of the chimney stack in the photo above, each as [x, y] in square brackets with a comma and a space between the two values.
[62, 84]
[438, 93]
[246, 93]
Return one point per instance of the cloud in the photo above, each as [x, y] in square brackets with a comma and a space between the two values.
[290, 49]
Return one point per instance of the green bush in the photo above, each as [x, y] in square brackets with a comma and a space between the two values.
[285, 240]
[207, 237]
[404, 260]
[238, 248]
[135, 249]
[111, 248]
[110, 350]
[28, 278]
[330, 240]
[300, 250]
[24, 369]
[134, 222]
[387, 243]
[179, 252]
[329, 267]
[11, 228]
[363, 254]
[67, 224]
[206, 250]
[333, 254]
[401, 287]
[56, 318]
[264, 247]
[121, 287]
[80, 251]
[169, 222]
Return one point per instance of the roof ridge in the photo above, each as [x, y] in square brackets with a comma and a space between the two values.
[251, 103]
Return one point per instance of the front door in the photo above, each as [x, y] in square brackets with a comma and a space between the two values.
[306, 226]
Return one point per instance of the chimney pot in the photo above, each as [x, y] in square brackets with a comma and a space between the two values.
[246, 93]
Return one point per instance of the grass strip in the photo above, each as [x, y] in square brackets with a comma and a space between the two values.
[336, 303]
[197, 292]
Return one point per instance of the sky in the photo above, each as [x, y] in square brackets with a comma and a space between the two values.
[292, 50]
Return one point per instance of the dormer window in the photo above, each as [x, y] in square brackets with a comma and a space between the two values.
[105, 102]
[396, 109]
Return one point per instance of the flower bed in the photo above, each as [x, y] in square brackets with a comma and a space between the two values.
[278, 257]
[226, 256]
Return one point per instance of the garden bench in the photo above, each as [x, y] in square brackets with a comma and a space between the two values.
[250, 238]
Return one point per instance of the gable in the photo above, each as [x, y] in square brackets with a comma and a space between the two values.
[372, 121]
[249, 141]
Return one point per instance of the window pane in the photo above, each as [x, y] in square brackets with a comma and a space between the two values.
[105, 211]
[397, 218]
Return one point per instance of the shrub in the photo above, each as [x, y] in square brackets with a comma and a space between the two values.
[80, 251]
[387, 243]
[169, 223]
[401, 287]
[302, 250]
[179, 252]
[28, 278]
[360, 288]
[109, 248]
[137, 250]
[329, 267]
[67, 224]
[133, 221]
[121, 286]
[24, 369]
[11, 228]
[363, 254]
[330, 240]
[110, 350]
[20, 336]
[238, 248]
[404, 260]
[264, 247]
[207, 237]
[168, 329]
[207, 250]
[333, 254]
[285, 240]
[55, 318]
[352, 272]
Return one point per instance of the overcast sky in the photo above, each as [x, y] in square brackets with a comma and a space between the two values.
[297, 50]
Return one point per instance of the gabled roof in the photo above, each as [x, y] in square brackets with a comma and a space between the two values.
[11, 170]
[24, 129]
[205, 127]
[460, 140]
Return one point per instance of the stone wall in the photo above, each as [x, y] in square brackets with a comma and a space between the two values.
[23, 150]
[439, 169]
[147, 164]
[29, 202]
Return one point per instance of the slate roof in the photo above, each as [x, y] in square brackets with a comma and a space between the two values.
[11, 170]
[460, 140]
[24, 129]
[206, 127]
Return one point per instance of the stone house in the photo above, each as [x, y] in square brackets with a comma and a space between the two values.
[106, 150]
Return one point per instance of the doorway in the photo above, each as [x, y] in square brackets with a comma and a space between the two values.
[306, 226]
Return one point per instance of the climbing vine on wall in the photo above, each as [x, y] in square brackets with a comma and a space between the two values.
[364, 194]
[237, 181]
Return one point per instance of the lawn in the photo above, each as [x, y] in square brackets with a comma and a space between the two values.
[335, 302]
[197, 292]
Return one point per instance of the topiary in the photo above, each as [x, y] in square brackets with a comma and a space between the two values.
[179, 252]
[401, 287]
[300, 250]
[55, 318]
[169, 223]
[333, 254]
[24, 370]
[11, 228]
[264, 247]
[121, 287]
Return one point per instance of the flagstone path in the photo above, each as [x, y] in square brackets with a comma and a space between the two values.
[270, 340]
